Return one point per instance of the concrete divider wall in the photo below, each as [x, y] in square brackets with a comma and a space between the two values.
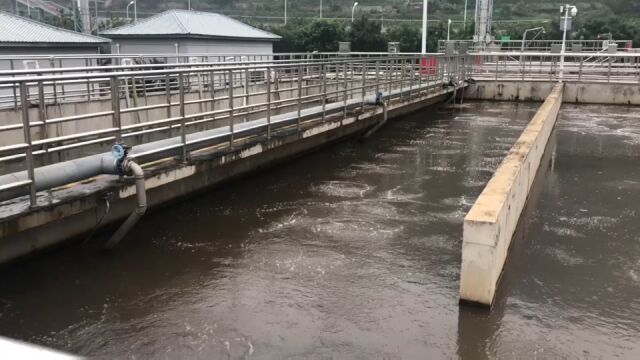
[574, 92]
[491, 222]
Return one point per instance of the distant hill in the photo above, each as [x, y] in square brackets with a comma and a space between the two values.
[404, 9]
[620, 17]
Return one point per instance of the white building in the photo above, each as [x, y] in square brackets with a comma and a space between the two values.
[22, 38]
[190, 32]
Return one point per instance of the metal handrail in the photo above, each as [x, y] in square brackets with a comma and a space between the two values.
[313, 82]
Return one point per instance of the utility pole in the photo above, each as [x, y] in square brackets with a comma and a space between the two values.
[425, 5]
[95, 4]
[85, 16]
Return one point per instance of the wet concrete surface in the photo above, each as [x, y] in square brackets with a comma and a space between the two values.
[354, 252]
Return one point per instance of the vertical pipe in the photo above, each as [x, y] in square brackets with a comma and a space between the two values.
[324, 92]
[26, 126]
[364, 83]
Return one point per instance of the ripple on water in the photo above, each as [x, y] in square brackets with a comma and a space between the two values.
[350, 229]
[565, 257]
[591, 222]
[347, 189]
[371, 168]
[563, 231]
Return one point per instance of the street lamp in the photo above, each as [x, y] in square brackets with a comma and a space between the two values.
[285, 12]
[425, 7]
[353, 10]
[135, 10]
[574, 12]
[540, 30]
[320, 9]
[448, 28]
[464, 23]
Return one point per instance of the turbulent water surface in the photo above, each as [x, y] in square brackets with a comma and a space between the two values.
[354, 252]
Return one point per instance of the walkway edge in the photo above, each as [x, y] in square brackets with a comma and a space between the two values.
[491, 222]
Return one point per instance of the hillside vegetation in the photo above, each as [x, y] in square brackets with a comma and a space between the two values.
[394, 20]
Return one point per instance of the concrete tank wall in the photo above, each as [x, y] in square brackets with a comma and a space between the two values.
[581, 93]
[491, 222]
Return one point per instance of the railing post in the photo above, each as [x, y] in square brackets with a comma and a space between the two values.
[419, 66]
[364, 82]
[42, 114]
[402, 70]
[212, 91]
[14, 87]
[389, 75]
[246, 88]
[183, 130]
[580, 70]
[231, 106]
[26, 125]
[344, 115]
[268, 103]
[299, 103]
[115, 107]
[377, 77]
[87, 64]
[324, 92]
[411, 79]
[167, 89]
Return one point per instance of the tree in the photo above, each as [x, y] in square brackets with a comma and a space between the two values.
[365, 35]
[409, 37]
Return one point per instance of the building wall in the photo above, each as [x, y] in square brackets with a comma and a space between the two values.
[166, 46]
[45, 63]
[144, 46]
[228, 47]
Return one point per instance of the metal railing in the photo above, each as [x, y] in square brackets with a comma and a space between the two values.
[538, 45]
[235, 100]
[29, 61]
[621, 68]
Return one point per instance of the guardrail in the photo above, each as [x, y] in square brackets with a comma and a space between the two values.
[539, 45]
[623, 68]
[141, 106]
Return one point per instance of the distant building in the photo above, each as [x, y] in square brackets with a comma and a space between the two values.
[41, 10]
[23, 36]
[190, 32]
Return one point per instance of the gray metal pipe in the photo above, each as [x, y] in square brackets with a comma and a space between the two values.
[141, 207]
[59, 174]
[381, 123]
